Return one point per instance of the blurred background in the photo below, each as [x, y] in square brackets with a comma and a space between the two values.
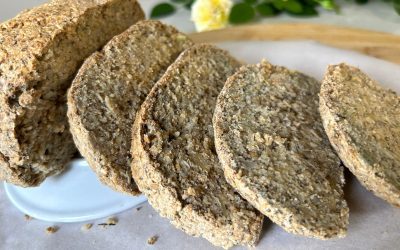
[379, 15]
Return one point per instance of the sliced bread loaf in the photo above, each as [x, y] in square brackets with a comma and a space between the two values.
[40, 52]
[174, 160]
[362, 120]
[274, 151]
[109, 89]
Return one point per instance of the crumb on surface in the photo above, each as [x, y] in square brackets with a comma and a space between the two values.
[87, 226]
[27, 217]
[152, 240]
[52, 229]
[110, 222]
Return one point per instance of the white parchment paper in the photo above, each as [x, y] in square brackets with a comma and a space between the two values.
[374, 224]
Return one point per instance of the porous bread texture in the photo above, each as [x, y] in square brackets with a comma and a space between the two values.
[109, 89]
[40, 51]
[274, 151]
[174, 160]
[362, 120]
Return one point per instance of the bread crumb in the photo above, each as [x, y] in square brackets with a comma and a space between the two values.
[87, 227]
[27, 217]
[51, 230]
[112, 221]
[152, 240]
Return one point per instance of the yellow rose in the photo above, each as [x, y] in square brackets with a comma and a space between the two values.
[211, 14]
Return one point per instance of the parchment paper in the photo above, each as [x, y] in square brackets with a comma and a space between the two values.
[374, 224]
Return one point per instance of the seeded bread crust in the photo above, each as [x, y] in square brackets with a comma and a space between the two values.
[362, 120]
[40, 52]
[274, 151]
[174, 160]
[109, 89]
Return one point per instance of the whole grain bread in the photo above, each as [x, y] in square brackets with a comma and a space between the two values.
[174, 160]
[40, 51]
[109, 89]
[274, 151]
[362, 120]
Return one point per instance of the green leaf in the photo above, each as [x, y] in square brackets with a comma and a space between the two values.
[361, 1]
[293, 6]
[178, 1]
[189, 4]
[311, 3]
[278, 4]
[161, 10]
[250, 1]
[396, 5]
[327, 4]
[241, 13]
[308, 11]
[266, 9]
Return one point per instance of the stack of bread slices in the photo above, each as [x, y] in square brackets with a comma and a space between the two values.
[214, 145]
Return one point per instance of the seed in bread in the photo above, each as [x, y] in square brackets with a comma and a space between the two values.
[174, 160]
[109, 89]
[40, 52]
[274, 151]
[362, 120]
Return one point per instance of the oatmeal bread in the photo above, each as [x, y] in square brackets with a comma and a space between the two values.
[174, 160]
[362, 120]
[40, 52]
[272, 146]
[109, 89]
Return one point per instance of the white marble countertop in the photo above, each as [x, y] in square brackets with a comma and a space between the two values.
[136, 226]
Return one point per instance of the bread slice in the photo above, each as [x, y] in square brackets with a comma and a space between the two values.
[362, 120]
[174, 160]
[40, 52]
[109, 89]
[274, 151]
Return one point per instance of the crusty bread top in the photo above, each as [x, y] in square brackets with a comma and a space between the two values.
[40, 52]
[362, 120]
[29, 42]
[109, 89]
[274, 151]
[174, 160]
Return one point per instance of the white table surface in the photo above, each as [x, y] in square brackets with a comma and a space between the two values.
[375, 223]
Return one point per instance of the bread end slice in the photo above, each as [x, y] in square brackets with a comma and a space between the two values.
[40, 52]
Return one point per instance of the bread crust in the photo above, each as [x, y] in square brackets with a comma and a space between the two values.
[274, 152]
[174, 162]
[40, 51]
[109, 89]
[362, 121]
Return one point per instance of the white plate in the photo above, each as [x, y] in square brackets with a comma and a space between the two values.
[76, 195]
